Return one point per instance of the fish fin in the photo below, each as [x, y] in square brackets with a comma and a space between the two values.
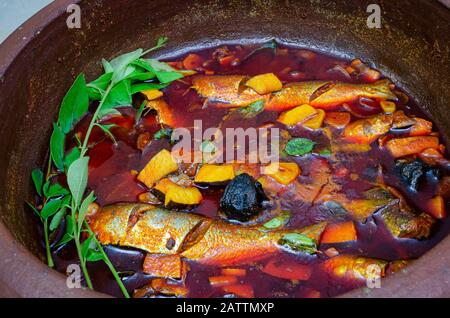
[136, 213]
[321, 90]
[195, 235]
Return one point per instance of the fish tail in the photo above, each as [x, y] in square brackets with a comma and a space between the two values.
[382, 90]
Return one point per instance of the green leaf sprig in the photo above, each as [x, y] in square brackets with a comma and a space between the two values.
[123, 76]
[299, 146]
[253, 109]
[55, 199]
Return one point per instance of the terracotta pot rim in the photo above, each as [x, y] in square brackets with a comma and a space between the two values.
[16, 259]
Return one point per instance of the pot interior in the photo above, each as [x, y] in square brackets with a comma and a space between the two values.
[411, 48]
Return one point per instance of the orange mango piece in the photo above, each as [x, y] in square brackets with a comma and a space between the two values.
[388, 107]
[317, 121]
[283, 172]
[180, 195]
[157, 168]
[298, 115]
[265, 83]
[214, 174]
[152, 94]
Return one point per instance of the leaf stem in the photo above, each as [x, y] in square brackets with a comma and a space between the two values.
[76, 238]
[108, 262]
[158, 46]
[77, 231]
[47, 245]
[94, 119]
[82, 262]
[45, 221]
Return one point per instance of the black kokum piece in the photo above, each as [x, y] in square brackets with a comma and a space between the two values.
[243, 198]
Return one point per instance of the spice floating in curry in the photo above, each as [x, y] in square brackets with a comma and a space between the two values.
[362, 179]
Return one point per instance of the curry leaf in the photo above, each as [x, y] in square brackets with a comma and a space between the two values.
[77, 176]
[164, 72]
[136, 88]
[107, 66]
[73, 155]
[120, 95]
[110, 111]
[74, 105]
[107, 130]
[51, 207]
[121, 64]
[325, 152]
[97, 88]
[38, 179]
[278, 221]
[140, 75]
[272, 45]
[52, 190]
[299, 146]
[84, 208]
[139, 112]
[299, 242]
[57, 141]
[86, 245]
[94, 256]
[56, 220]
[253, 109]
[90, 251]
[144, 64]
[68, 235]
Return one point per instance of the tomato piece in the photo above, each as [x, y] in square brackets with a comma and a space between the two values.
[192, 61]
[287, 270]
[234, 272]
[218, 281]
[337, 119]
[241, 290]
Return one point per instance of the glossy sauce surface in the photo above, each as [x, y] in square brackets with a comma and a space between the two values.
[113, 167]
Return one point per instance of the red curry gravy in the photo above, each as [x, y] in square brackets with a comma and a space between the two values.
[113, 168]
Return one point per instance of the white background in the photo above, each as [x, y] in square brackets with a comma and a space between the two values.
[14, 12]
